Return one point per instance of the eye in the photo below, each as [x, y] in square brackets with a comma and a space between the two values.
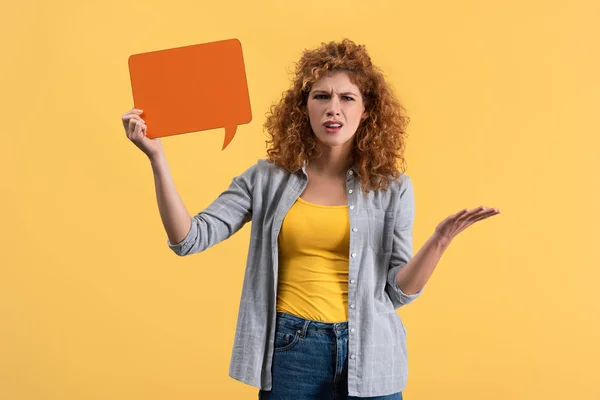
[319, 96]
[349, 98]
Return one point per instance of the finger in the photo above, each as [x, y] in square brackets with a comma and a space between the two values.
[490, 213]
[478, 213]
[139, 118]
[133, 112]
[470, 219]
[133, 127]
[458, 214]
[129, 117]
[467, 215]
[482, 216]
[138, 130]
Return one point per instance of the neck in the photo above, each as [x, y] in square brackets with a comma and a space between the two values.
[333, 161]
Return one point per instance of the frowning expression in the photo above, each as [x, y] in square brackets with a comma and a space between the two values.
[335, 108]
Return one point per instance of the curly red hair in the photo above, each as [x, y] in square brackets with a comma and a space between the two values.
[379, 142]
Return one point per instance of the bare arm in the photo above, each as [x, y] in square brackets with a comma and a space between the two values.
[414, 275]
[221, 219]
[173, 213]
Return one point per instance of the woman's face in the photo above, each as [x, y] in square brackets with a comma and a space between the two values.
[335, 100]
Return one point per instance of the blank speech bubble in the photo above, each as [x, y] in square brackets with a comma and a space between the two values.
[191, 88]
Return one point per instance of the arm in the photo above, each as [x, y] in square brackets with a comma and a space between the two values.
[411, 279]
[225, 216]
[402, 246]
[221, 219]
[174, 215]
[415, 274]
[409, 275]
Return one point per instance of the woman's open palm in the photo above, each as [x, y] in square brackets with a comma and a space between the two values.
[456, 223]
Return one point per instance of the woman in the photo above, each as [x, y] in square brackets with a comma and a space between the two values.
[330, 257]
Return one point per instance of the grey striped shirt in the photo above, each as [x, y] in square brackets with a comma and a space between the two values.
[380, 246]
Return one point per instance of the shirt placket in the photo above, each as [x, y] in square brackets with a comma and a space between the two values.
[353, 339]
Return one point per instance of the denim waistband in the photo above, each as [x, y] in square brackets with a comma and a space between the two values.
[307, 325]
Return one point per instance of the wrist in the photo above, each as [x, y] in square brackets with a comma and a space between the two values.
[440, 241]
[156, 158]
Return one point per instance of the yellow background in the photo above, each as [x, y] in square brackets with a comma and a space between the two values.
[503, 100]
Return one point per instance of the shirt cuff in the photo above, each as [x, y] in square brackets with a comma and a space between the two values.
[406, 298]
[181, 247]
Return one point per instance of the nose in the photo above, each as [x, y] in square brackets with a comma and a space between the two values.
[333, 107]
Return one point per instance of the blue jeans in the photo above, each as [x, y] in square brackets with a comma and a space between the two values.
[310, 361]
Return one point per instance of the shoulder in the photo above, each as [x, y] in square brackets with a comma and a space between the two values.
[401, 185]
[264, 167]
[264, 172]
[399, 196]
[405, 197]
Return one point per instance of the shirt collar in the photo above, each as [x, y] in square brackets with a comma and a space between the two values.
[353, 168]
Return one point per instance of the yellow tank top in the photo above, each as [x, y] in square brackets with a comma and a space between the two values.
[314, 243]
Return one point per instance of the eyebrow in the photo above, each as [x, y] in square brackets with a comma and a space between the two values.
[325, 91]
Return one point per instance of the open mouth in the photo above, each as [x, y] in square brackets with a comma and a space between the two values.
[332, 127]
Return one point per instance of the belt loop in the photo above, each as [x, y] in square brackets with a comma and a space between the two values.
[305, 328]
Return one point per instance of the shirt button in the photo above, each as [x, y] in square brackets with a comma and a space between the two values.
[354, 230]
[352, 330]
[352, 356]
[350, 191]
[351, 172]
[352, 306]
[353, 255]
[352, 207]
[352, 281]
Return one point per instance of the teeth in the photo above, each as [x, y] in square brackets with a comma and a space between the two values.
[333, 125]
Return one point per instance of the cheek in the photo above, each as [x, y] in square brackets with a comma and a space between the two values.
[314, 113]
[354, 116]
[314, 107]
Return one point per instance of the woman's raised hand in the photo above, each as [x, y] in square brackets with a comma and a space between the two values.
[135, 129]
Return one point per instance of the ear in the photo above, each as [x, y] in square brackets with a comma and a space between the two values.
[364, 115]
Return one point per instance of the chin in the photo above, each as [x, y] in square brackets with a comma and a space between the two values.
[333, 141]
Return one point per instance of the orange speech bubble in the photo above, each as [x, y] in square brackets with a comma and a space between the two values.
[191, 88]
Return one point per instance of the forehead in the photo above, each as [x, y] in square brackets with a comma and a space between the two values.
[338, 81]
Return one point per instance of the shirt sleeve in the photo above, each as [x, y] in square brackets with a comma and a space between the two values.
[226, 215]
[402, 250]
